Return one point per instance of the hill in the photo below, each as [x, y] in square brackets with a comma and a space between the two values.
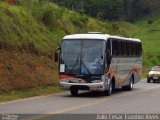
[151, 39]
[29, 34]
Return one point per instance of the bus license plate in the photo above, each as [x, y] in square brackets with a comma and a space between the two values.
[155, 78]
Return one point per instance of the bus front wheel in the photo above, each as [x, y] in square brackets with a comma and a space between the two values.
[74, 92]
[109, 91]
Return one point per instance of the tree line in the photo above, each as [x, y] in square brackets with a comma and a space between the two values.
[128, 10]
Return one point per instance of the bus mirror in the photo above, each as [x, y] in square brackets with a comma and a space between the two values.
[56, 55]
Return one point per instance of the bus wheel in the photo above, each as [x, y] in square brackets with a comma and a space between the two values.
[109, 91]
[74, 92]
[130, 86]
[148, 80]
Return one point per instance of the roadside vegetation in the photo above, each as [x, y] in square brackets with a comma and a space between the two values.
[20, 94]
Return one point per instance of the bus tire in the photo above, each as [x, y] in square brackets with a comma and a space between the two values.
[109, 91]
[130, 86]
[148, 80]
[74, 92]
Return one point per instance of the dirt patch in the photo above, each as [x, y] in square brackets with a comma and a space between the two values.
[22, 70]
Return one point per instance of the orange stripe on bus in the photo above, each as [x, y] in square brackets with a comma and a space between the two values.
[111, 72]
[136, 68]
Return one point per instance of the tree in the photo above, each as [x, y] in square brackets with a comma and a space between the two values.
[128, 10]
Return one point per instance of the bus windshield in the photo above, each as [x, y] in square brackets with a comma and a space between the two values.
[82, 57]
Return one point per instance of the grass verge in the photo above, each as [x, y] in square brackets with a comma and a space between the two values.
[40, 91]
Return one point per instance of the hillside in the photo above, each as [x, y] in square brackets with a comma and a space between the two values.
[151, 40]
[29, 34]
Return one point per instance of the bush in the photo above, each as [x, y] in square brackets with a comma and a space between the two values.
[150, 22]
[154, 61]
[79, 20]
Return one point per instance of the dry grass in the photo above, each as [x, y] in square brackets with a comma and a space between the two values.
[22, 71]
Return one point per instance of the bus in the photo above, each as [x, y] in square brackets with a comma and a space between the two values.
[99, 62]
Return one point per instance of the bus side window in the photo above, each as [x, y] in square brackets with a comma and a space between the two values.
[137, 49]
[125, 49]
[113, 47]
[123, 43]
[140, 49]
[119, 48]
[133, 48]
[128, 51]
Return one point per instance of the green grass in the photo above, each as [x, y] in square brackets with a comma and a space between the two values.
[151, 50]
[19, 30]
[40, 91]
[129, 28]
[39, 28]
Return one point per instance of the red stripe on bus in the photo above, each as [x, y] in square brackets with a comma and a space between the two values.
[111, 72]
[66, 76]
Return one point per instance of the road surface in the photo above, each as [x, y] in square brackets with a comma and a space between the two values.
[143, 99]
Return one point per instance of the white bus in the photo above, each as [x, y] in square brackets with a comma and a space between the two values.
[99, 62]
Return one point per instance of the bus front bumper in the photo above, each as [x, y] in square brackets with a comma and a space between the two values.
[83, 86]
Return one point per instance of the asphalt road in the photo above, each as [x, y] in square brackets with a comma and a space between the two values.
[143, 99]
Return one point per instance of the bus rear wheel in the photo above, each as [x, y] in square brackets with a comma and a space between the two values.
[74, 92]
[130, 86]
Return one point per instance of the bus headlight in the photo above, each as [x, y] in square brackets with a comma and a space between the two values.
[64, 80]
[103, 77]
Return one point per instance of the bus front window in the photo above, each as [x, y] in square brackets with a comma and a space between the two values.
[92, 57]
[82, 56]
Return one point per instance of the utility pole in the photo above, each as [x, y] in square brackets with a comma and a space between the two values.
[82, 5]
[68, 5]
[72, 7]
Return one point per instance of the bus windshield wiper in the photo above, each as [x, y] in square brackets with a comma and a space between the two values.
[85, 67]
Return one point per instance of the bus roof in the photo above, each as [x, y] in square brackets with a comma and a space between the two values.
[98, 36]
